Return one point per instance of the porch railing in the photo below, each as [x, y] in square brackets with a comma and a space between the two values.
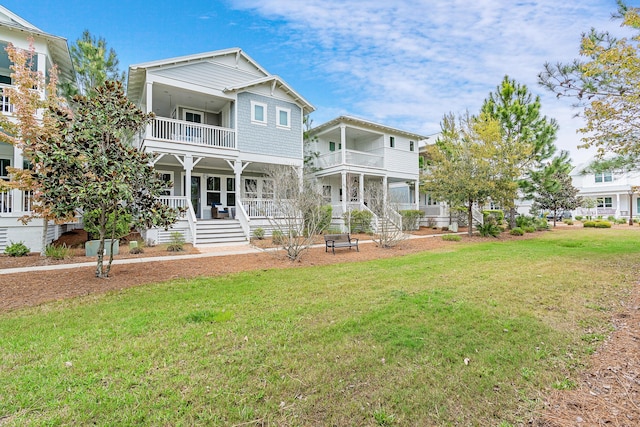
[259, 207]
[175, 202]
[243, 218]
[6, 200]
[196, 133]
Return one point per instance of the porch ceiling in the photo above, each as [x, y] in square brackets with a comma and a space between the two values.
[165, 98]
[351, 134]
[216, 163]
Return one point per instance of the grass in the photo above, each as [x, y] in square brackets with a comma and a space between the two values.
[471, 336]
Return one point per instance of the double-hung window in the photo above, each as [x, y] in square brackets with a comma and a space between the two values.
[283, 118]
[258, 113]
[603, 177]
[605, 202]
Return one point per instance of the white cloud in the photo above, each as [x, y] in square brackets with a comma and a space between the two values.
[406, 63]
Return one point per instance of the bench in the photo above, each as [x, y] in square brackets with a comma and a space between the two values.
[334, 241]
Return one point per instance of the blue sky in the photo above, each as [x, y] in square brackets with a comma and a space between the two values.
[403, 63]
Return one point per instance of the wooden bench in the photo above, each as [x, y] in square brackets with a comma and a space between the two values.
[334, 241]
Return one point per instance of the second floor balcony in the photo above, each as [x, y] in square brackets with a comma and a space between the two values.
[352, 157]
[181, 131]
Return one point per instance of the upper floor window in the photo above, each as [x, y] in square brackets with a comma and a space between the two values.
[258, 113]
[604, 177]
[392, 141]
[412, 146]
[283, 117]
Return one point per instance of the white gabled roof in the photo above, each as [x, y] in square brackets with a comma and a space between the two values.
[283, 85]
[137, 73]
[367, 123]
[57, 45]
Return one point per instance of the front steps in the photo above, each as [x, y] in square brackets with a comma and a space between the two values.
[227, 231]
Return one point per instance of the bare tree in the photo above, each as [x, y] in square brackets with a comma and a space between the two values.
[389, 228]
[298, 213]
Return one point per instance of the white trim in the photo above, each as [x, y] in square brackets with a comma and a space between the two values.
[281, 110]
[255, 104]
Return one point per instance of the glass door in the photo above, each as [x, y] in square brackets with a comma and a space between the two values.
[195, 195]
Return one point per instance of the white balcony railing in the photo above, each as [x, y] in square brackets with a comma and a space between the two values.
[352, 157]
[195, 133]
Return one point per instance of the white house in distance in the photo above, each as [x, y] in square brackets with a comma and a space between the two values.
[353, 154]
[613, 191]
[220, 120]
[51, 50]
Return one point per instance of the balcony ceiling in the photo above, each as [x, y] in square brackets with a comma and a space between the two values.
[166, 98]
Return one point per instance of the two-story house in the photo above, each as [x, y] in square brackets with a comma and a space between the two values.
[50, 50]
[220, 120]
[615, 192]
[352, 155]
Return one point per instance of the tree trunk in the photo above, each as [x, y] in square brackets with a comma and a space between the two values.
[512, 217]
[45, 231]
[470, 218]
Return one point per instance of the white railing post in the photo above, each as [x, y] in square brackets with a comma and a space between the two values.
[243, 218]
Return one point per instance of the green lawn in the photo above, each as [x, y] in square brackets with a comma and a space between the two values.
[375, 343]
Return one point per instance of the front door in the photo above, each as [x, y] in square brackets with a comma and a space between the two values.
[195, 195]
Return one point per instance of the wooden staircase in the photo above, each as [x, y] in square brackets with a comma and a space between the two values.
[227, 231]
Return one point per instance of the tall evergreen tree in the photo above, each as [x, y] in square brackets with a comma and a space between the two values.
[527, 137]
[605, 81]
[93, 64]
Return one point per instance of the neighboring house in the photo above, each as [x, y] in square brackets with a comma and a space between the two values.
[353, 156]
[615, 192]
[221, 119]
[51, 50]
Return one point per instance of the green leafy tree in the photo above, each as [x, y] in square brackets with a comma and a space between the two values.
[94, 64]
[527, 138]
[462, 162]
[107, 175]
[35, 137]
[605, 81]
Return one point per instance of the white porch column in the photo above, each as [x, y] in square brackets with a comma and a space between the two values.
[149, 102]
[16, 195]
[618, 205]
[188, 167]
[361, 190]
[385, 191]
[237, 172]
[343, 143]
[416, 195]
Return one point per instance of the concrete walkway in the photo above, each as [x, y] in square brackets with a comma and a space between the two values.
[206, 251]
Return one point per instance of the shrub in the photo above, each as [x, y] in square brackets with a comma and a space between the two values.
[333, 230]
[258, 233]
[524, 220]
[445, 228]
[136, 250]
[589, 224]
[603, 224]
[277, 238]
[319, 218]
[490, 227]
[568, 221]
[17, 249]
[516, 231]
[529, 229]
[451, 238]
[498, 214]
[410, 219]
[359, 220]
[57, 252]
[541, 224]
[176, 243]
[611, 218]
[621, 221]
[579, 217]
